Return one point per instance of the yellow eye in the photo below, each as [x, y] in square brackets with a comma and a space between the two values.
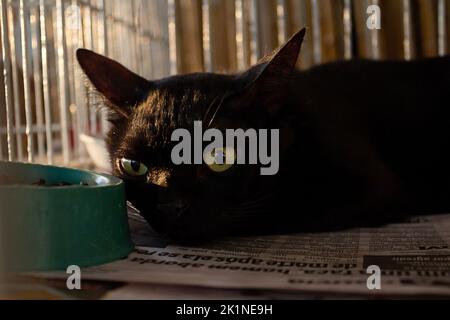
[221, 159]
[133, 168]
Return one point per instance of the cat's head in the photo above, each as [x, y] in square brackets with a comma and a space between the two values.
[192, 201]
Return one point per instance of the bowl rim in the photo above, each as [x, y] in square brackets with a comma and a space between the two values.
[113, 181]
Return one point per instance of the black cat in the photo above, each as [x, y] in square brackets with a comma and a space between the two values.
[362, 143]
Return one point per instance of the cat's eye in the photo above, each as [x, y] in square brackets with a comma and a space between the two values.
[220, 159]
[133, 168]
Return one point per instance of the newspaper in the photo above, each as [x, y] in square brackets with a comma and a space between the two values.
[413, 257]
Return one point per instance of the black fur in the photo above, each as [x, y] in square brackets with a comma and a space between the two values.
[362, 143]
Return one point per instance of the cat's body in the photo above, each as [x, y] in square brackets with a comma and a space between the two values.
[362, 143]
[376, 140]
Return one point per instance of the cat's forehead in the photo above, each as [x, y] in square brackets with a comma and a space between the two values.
[173, 103]
[178, 100]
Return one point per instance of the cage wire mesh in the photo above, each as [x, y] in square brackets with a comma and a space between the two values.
[45, 106]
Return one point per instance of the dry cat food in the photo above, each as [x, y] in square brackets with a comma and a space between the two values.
[43, 183]
[5, 180]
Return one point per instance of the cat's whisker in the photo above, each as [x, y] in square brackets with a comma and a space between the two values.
[218, 109]
[208, 111]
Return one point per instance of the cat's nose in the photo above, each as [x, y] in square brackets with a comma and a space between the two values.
[174, 209]
[167, 215]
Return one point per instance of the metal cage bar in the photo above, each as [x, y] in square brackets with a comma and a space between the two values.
[45, 81]
[347, 20]
[6, 57]
[442, 27]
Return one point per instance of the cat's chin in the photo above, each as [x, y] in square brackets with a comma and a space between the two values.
[194, 230]
[183, 230]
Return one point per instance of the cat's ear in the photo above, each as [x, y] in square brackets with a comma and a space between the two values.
[123, 88]
[267, 83]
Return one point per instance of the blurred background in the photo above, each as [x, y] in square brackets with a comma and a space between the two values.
[47, 115]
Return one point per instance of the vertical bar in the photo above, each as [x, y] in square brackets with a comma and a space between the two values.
[267, 24]
[206, 37]
[103, 49]
[89, 43]
[157, 38]
[35, 39]
[109, 9]
[113, 31]
[317, 31]
[118, 8]
[374, 36]
[87, 24]
[249, 32]
[407, 27]
[151, 51]
[26, 79]
[62, 82]
[328, 18]
[172, 37]
[123, 36]
[15, 77]
[348, 29]
[109, 29]
[136, 11]
[103, 38]
[442, 28]
[45, 82]
[120, 30]
[7, 77]
[282, 20]
[72, 26]
[428, 24]
[220, 35]
[298, 16]
[1, 142]
[255, 46]
[240, 48]
[188, 15]
[80, 90]
[131, 36]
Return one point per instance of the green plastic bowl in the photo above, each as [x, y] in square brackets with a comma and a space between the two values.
[52, 228]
